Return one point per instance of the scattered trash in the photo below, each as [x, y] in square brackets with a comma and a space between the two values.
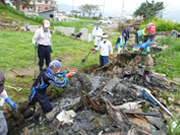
[14, 88]
[66, 117]
[130, 106]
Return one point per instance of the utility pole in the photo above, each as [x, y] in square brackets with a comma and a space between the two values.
[72, 4]
[122, 8]
[103, 8]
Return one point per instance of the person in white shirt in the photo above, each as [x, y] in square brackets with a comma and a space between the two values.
[97, 34]
[42, 37]
[4, 97]
[105, 47]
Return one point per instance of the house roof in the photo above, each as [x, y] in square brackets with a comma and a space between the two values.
[46, 11]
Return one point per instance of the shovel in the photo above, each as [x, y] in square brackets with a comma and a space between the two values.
[83, 60]
[18, 75]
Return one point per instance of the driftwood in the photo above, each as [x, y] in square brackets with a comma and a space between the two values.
[87, 102]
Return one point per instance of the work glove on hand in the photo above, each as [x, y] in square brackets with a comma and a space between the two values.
[93, 49]
[143, 46]
[72, 71]
[12, 104]
[35, 45]
[111, 57]
[69, 75]
[51, 48]
[93, 37]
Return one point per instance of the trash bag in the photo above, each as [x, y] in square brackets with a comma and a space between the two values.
[3, 124]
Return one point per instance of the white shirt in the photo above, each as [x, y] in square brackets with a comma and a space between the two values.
[42, 38]
[97, 32]
[105, 48]
[3, 96]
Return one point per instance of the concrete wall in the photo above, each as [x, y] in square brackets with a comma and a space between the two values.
[33, 28]
[66, 30]
[46, 14]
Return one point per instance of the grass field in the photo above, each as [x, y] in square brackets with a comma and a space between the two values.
[18, 53]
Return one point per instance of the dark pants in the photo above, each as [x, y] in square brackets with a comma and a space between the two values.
[104, 60]
[44, 52]
[125, 38]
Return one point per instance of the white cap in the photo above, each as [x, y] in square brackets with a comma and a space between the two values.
[104, 35]
[46, 24]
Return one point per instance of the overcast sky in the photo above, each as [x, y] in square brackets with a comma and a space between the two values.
[113, 6]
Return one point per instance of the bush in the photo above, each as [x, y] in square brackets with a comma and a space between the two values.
[162, 24]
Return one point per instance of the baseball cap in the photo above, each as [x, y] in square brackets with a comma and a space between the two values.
[46, 24]
[127, 27]
[104, 35]
[55, 64]
[2, 78]
[151, 27]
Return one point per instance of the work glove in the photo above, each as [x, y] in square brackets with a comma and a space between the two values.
[93, 37]
[143, 46]
[35, 45]
[12, 104]
[111, 57]
[93, 49]
[68, 75]
[51, 48]
[70, 71]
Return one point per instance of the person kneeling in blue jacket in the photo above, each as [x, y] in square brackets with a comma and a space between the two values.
[38, 92]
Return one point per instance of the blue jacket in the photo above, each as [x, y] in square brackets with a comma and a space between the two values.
[126, 32]
[38, 92]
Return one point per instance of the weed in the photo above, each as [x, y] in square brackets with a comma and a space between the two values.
[174, 126]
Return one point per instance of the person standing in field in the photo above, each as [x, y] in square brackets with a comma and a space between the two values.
[42, 41]
[97, 34]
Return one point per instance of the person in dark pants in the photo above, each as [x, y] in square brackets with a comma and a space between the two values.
[105, 47]
[38, 93]
[125, 33]
[42, 37]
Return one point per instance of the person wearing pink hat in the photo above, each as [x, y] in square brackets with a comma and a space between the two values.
[144, 39]
[42, 41]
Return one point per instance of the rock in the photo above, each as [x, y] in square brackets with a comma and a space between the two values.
[28, 112]
[160, 132]
[11, 124]
[15, 114]
[155, 121]
[23, 104]
[112, 84]
[77, 83]
[20, 120]
[7, 114]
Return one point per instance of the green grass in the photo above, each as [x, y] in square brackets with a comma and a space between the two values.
[18, 53]
[168, 59]
[11, 14]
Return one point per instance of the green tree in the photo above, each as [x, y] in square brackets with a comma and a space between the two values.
[89, 9]
[17, 3]
[149, 10]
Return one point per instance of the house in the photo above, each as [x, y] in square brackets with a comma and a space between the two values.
[39, 6]
[50, 14]
[61, 13]
[74, 12]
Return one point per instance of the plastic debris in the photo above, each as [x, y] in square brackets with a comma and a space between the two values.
[66, 117]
